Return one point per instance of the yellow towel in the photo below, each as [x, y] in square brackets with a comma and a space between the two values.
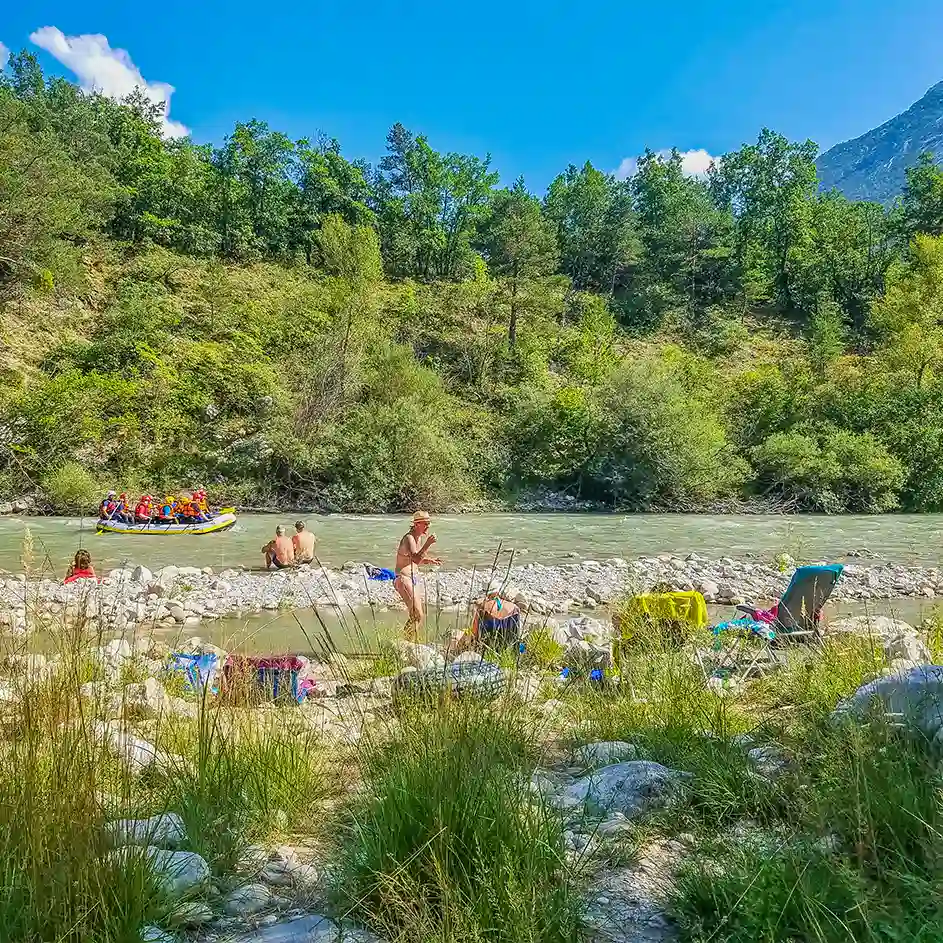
[680, 613]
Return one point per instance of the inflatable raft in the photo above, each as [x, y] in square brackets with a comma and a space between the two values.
[223, 520]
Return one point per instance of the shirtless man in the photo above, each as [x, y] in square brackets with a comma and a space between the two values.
[303, 543]
[409, 554]
[279, 552]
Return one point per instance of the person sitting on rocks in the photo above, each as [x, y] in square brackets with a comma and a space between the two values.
[303, 543]
[81, 568]
[279, 553]
[497, 622]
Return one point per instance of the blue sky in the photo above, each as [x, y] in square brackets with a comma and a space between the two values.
[536, 85]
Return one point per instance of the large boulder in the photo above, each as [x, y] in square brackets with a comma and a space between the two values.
[247, 900]
[907, 648]
[462, 679]
[145, 699]
[914, 696]
[633, 788]
[414, 655]
[177, 873]
[141, 574]
[605, 753]
[165, 831]
[137, 754]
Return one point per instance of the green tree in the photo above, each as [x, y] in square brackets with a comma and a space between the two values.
[768, 186]
[921, 204]
[909, 318]
[431, 205]
[687, 242]
[592, 213]
[327, 184]
[518, 244]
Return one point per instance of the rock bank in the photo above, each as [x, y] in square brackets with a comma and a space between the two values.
[189, 596]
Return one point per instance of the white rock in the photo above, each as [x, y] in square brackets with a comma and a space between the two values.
[191, 914]
[469, 657]
[246, 900]
[138, 754]
[312, 928]
[177, 873]
[117, 650]
[166, 831]
[141, 574]
[418, 656]
[633, 788]
[907, 647]
[768, 760]
[872, 626]
[914, 696]
[151, 934]
[605, 753]
[147, 698]
[120, 575]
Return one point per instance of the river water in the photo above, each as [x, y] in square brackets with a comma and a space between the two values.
[473, 539]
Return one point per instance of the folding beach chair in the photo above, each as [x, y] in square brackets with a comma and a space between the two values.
[268, 677]
[755, 638]
[199, 669]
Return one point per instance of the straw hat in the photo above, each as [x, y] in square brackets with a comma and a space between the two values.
[495, 587]
[421, 516]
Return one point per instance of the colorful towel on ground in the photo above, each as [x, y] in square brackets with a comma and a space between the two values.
[379, 573]
[746, 626]
[275, 675]
[685, 607]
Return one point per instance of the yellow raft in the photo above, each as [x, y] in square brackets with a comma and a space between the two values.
[223, 520]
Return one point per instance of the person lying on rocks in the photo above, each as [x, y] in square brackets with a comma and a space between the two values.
[279, 553]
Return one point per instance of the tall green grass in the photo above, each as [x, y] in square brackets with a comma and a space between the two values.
[57, 881]
[446, 841]
[239, 777]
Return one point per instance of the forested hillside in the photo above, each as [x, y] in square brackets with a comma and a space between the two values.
[284, 324]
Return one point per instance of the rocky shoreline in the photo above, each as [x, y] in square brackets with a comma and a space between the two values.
[189, 596]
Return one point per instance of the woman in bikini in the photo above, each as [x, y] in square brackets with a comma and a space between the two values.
[410, 554]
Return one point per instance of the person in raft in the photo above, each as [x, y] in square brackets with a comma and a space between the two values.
[303, 543]
[410, 554]
[279, 553]
[144, 510]
[108, 507]
[81, 568]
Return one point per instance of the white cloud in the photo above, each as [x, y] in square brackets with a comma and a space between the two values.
[4, 56]
[109, 71]
[694, 163]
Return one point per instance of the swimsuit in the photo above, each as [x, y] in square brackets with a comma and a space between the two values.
[499, 632]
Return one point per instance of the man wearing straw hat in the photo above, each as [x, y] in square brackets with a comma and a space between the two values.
[410, 554]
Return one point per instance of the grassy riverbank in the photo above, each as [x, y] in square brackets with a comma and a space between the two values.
[422, 824]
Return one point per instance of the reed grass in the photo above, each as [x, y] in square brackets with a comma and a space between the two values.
[447, 842]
